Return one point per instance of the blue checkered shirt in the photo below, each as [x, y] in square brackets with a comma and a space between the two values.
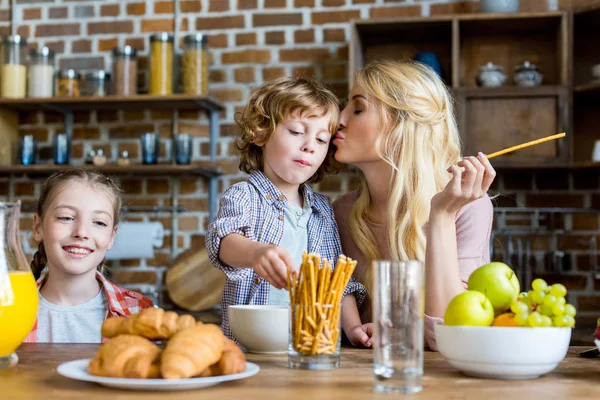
[254, 209]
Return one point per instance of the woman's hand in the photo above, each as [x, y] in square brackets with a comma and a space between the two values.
[468, 184]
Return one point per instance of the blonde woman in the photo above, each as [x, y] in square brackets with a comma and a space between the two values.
[418, 198]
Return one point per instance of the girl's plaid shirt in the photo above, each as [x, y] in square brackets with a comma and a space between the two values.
[254, 209]
[121, 302]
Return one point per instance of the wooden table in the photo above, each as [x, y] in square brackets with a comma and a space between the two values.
[36, 378]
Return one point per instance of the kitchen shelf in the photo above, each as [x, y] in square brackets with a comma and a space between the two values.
[592, 87]
[206, 170]
[137, 102]
[512, 91]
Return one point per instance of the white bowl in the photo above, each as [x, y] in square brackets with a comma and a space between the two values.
[503, 352]
[260, 329]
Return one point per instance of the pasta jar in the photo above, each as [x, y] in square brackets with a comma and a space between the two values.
[161, 64]
[195, 64]
[124, 71]
[40, 76]
[96, 83]
[68, 83]
[14, 71]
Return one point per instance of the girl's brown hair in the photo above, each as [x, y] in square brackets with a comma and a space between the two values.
[271, 104]
[54, 184]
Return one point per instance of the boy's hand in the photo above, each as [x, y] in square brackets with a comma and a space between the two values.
[361, 334]
[271, 262]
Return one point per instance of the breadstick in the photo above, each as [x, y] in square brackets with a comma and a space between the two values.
[527, 144]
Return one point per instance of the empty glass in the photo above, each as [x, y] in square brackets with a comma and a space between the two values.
[61, 148]
[27, 150]
[182, 147]
[150, 147]
[398, 313]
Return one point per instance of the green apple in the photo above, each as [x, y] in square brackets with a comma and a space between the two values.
[498, 282]
[469, 308]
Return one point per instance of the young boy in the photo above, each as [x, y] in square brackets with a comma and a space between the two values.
[266, 223]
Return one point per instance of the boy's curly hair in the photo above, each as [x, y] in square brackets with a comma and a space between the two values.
[271, 104]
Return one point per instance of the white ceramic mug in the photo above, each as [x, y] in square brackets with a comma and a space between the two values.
[596, 153]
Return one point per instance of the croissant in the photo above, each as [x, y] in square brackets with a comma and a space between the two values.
[151, 323]
[191, 351]
[233, 361]
[127, 356]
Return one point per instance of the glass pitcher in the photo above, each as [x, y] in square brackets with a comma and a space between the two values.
[18, 290]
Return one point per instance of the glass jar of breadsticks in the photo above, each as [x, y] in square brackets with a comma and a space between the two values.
[195, 64]
[315, 302]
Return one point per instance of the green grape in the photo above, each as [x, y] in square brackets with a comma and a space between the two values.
[557, 321]
[558, 310]
[561, 300]
[549, 300]
[518, 307]
[539, 284]
[534, 319]
[558, 290]
[544, 310]
[569, 321]
[570, 310]
[521, 319]
[538, 296]
[546, 321]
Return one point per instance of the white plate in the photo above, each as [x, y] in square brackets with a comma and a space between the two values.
[77, 370]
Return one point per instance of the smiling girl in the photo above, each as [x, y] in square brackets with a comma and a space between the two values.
[75, 225]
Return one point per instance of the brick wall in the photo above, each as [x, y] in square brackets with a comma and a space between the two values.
[251, 41]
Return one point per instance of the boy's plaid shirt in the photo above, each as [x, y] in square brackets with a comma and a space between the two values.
[254, 209]
[121, 302]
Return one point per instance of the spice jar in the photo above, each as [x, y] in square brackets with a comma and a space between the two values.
[96, 83]
[14, 71]
[195, 64]
[161, 64]
[67, 83]
[40, 74]
[124, 71]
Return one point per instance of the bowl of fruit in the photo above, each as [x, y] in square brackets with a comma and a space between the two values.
[493, 330]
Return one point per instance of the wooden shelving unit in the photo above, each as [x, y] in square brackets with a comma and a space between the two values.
[206, 170]
[9, 126]
[489, 119]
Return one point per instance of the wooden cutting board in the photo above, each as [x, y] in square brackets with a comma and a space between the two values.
[193, 283]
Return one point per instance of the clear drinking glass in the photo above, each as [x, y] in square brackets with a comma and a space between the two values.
[398, 312]
[61, 147]
[150, 147]
[182, 147]
[18, 290]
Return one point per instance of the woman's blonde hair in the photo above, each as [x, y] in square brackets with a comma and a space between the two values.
[55, 184]
[272, 103]
[419, 140]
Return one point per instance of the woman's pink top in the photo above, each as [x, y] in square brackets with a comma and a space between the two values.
[473, 230]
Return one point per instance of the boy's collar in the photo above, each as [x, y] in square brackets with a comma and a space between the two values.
[270, 192]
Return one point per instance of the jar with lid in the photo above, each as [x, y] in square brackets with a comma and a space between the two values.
[14, 70]
[195, 64]
[96, 83]
[161, 64]
[68, 83]
[40, 76]
[124, 71]
[490, 75]
[527, 75]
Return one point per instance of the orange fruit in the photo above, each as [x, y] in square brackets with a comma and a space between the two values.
[506, 319]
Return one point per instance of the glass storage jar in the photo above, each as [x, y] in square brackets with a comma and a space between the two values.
[14, 70]
[68, 83]
[124, 71]
[195, 64]
[96, 83]
[40, 77]
[161, 64]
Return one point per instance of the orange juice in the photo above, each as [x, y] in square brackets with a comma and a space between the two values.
[18, 315]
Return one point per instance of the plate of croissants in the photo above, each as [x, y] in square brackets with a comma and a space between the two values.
[195, 355]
